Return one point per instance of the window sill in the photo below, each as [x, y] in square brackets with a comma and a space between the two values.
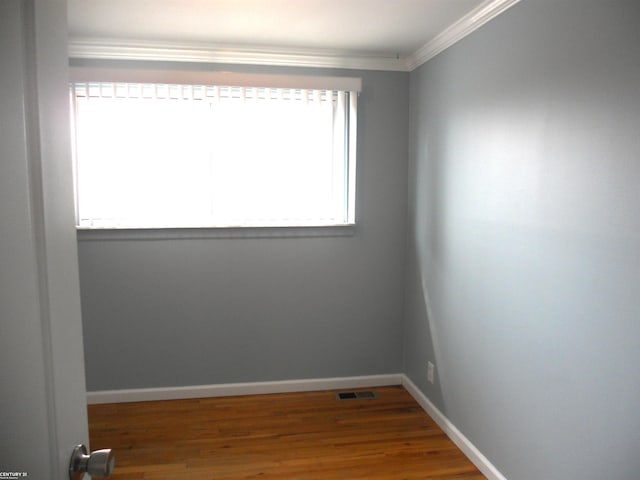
[89, 234]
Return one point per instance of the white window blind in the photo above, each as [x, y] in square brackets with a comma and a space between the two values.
[175, 155]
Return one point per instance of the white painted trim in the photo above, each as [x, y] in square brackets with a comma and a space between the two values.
[234, 79]
[112, 49]
[286, 386]
[458, 30]
[462, 442]
[128, 49]
[233, 389]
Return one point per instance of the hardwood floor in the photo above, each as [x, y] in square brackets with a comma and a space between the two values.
[283, 436]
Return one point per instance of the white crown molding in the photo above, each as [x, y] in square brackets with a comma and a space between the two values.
[128, 49]
[121, 49]
[458, 30]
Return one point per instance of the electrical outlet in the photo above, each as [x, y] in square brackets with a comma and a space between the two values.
[431, 370]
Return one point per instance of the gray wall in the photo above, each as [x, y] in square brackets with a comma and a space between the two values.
[205, 311]
[524, 238]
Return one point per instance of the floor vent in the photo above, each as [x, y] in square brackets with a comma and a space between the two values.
[367, 395]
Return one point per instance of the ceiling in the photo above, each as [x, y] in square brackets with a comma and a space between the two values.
[382, 33]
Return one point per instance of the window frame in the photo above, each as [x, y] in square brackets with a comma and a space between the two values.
[353, 85]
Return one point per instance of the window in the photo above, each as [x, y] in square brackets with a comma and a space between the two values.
[263, 151]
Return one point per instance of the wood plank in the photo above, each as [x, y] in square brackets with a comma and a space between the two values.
[307, 435]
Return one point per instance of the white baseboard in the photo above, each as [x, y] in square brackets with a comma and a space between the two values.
[462, 442]
[257, 388]
[233, 389]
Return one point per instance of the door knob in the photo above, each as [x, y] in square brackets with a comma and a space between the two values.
[98, 464]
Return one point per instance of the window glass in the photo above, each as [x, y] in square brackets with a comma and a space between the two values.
[171, 156]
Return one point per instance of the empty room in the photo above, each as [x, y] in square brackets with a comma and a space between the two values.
[315, 239]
